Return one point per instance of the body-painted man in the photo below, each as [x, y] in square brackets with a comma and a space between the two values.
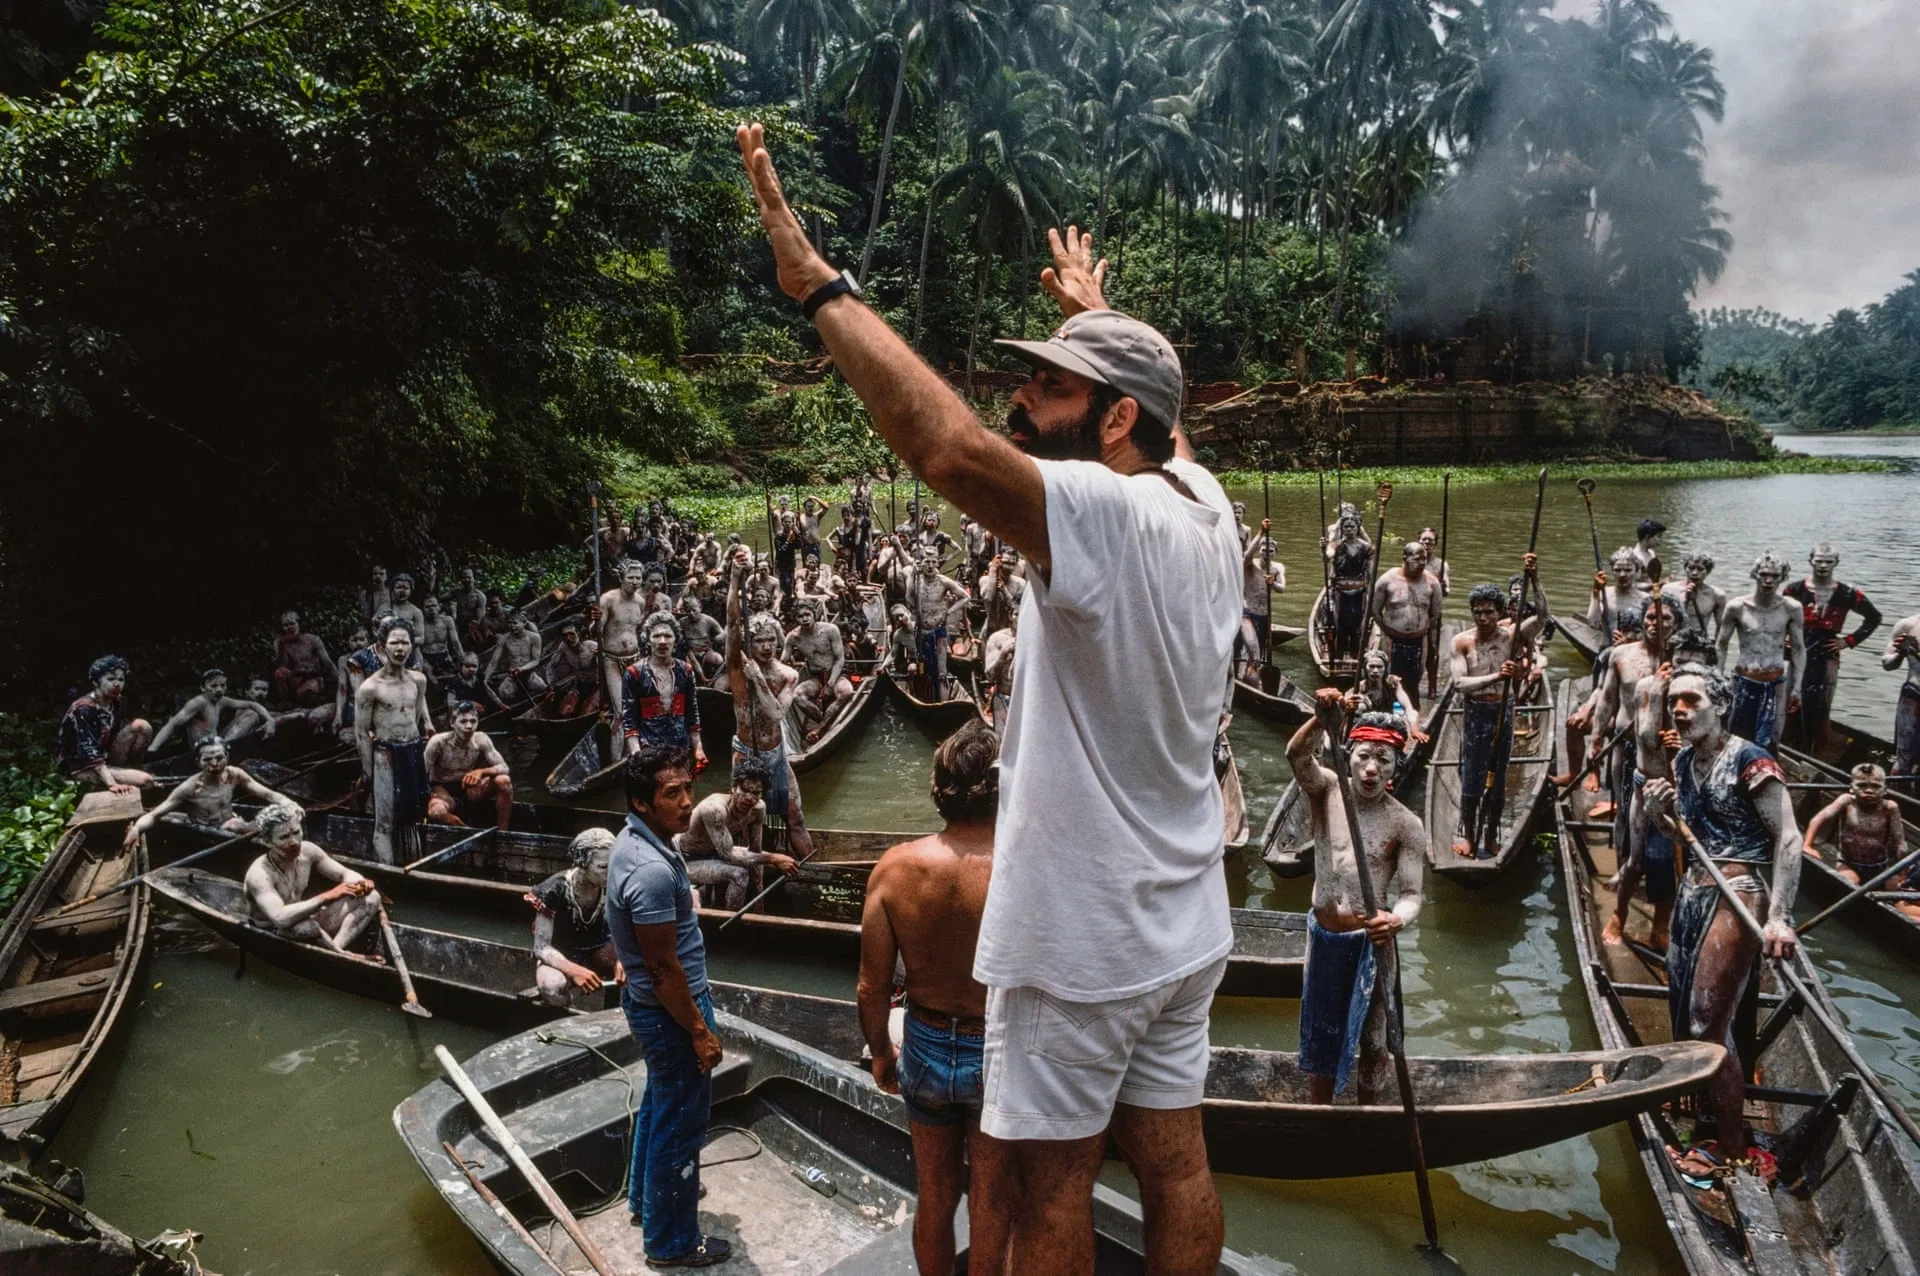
[513, 670]
[1903, 647]
[1351, 555]
[572, 943]
[818, 649]
[1699, 606]
[1350, 955]
[763, 690]
[573, 673]
[723, 842]
[1773, 652]
[465, 767]
[1615, 591]
[1733, 798]
[622, 613]
[1862, 825]
[206, 797]
[300, 664]
[658, 701]
[1646, 553]
[276, 885]
[1437, 567]
[94, 747]
[938, 604]
[469, 609]
[1488, 661]
[374, 596]
[1633, 696]
[391, 727]
[406, 609]
[1261, 576]
[1825, 604]
[1406, 608]
[201, 716]
[439, 640]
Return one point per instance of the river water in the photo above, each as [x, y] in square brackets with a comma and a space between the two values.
[256, 1108]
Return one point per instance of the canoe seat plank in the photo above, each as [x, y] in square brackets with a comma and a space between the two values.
[1760, 1224]
[103, 910]
[46, 1063]
[49, 991]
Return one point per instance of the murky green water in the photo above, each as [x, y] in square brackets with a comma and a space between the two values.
[291, 1164]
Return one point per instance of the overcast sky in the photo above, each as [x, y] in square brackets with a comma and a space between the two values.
[1818, 161]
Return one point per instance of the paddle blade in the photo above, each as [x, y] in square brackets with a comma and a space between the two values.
[415, 1009]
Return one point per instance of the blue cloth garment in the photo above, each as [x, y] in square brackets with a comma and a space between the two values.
[940, 1071]
[411, 789]
[1752, 716]
[1656, 855]
[669, 1129]
[1333, 1008]
[1485, 745]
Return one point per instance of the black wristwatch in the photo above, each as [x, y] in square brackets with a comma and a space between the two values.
[843, 286]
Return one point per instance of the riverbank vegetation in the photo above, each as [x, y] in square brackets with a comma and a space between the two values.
[285, 288]
[1858, 371]
[35, 801]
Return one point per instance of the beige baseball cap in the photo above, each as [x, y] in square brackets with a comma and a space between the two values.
[1116, 350]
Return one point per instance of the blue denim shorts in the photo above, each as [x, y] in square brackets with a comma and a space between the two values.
[941, 1077]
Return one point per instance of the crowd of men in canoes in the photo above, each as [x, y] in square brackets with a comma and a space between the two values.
[1022, 1043]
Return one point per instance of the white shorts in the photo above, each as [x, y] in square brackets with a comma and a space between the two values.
[1055, 1068]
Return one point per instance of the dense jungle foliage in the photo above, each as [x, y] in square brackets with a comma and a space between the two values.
[287, 284]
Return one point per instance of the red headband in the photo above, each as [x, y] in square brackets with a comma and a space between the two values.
[1383, 735]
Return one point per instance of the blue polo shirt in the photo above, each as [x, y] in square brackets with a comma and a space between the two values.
[646, 886]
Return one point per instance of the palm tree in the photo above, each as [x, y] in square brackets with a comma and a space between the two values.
[802, 31]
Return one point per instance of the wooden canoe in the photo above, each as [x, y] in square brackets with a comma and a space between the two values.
[45, 1232]
[781, 1109]
[65, 981]
[1275, 700]
[590, 765]
[1820, 879]
[473, 980]
[802, 756]
[1233, 801]
[1859, 1209]
[1527, 768]
[945, 715]
[1585, 638]
[1320, 627]
[539, 720]
[816, 912]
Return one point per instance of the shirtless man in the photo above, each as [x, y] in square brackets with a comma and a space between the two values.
[390, 728]
[974, 540]
[622, 612]
[653, 594]
[1378, 690]
[572, 944]
[1646, 553]
[1346, 949]
[1862, 825]
[786, 544]
[469, 609]
[1437, 567]
[763, 689]
[1633, 694]
[300, 665]
[937, 602]
[404, 607]
[810, 510]
[1903, 647]
[698, 633]
[465, 759]
[1825, 604]
[276, 886]
[513, 671]
[723, 843]
[1699, 606]
[93, 747]
[374, 595]
[923, 908]
[1406, 609]
[352, 669]
[659, 704]
[494, 624]
[928, 536]
[1614, 593]
[200, 716]
[573, 673]
[439, 640]
[1492, 653]
[1773, 652]
[818, 648]
[1002, 588]
[206, 797]
[467, 684]
[1351, 555]
[1261, 576]
[1732, 796]
[254, 716]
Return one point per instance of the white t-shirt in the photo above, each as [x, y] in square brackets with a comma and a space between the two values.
[1106, 874]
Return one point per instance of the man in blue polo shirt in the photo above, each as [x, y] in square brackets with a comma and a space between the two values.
[656, 930]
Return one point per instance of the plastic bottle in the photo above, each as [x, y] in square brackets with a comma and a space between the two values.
[816, 1178]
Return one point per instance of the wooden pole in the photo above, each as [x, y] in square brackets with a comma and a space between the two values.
[1433, 647]
[1586, 486]
[1858, 892]
[770, 886]
[412, 1002]
[1396, 1023]
[1383, 493]
[521, 1161]
[458, 846]
[593, 504]
[1266, 552]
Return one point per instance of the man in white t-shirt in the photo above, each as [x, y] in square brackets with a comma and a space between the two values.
[1107, 927]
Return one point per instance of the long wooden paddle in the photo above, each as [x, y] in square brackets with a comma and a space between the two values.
[412, 1003]
[1489, 817]
[769, 889]
[1433, 641]
[521, 1161]
[1266, 551]
[1857, 893]
[457, 847]
[132, 882]
[1326, 561]
[1676, 825]
[593, 505]
[1383, 493]
[1585, 487]
[500, 1211]
[1396, 1025]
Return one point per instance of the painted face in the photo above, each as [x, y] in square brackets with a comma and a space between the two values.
[1428, 539]
[804, 613]
[1623, 569]
[929, 563]
[257, 689]
[661, 638]
[1869, 790]
[430, 607]
[402, 590]
[1659, 627]
[656, 582]
[1486, 615]
[465, 724]
[1693, 713]
[290, 628]
[466, 578]
[745, 794]
[398, 645]
[1766, 580]
[763, 646]
[213, 757]
[288, 836]
[1413, 557]
[1824, 564]
[215, 688]
[632, 579]
[1698, 571]
[1240, 510]
[1371, 763]
[358, 638]
[469, 667]
[595, 869]
[112, 684]
[1349, 526]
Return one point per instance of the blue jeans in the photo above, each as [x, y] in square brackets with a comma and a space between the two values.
[940, 1073]
[669, 1130]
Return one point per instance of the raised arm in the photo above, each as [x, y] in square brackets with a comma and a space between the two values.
[1898, 646]
[166, 805]
[1303, 755]
[928, 425]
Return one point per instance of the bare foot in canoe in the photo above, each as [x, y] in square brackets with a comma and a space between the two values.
[1592, 783]
[1657, 939]
[1560, 781]
[1613, 933]
[1601, 811]
[1463, 848]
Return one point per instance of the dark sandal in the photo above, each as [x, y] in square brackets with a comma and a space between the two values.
[709, 1251]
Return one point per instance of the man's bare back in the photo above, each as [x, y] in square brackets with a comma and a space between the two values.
[931, 893]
